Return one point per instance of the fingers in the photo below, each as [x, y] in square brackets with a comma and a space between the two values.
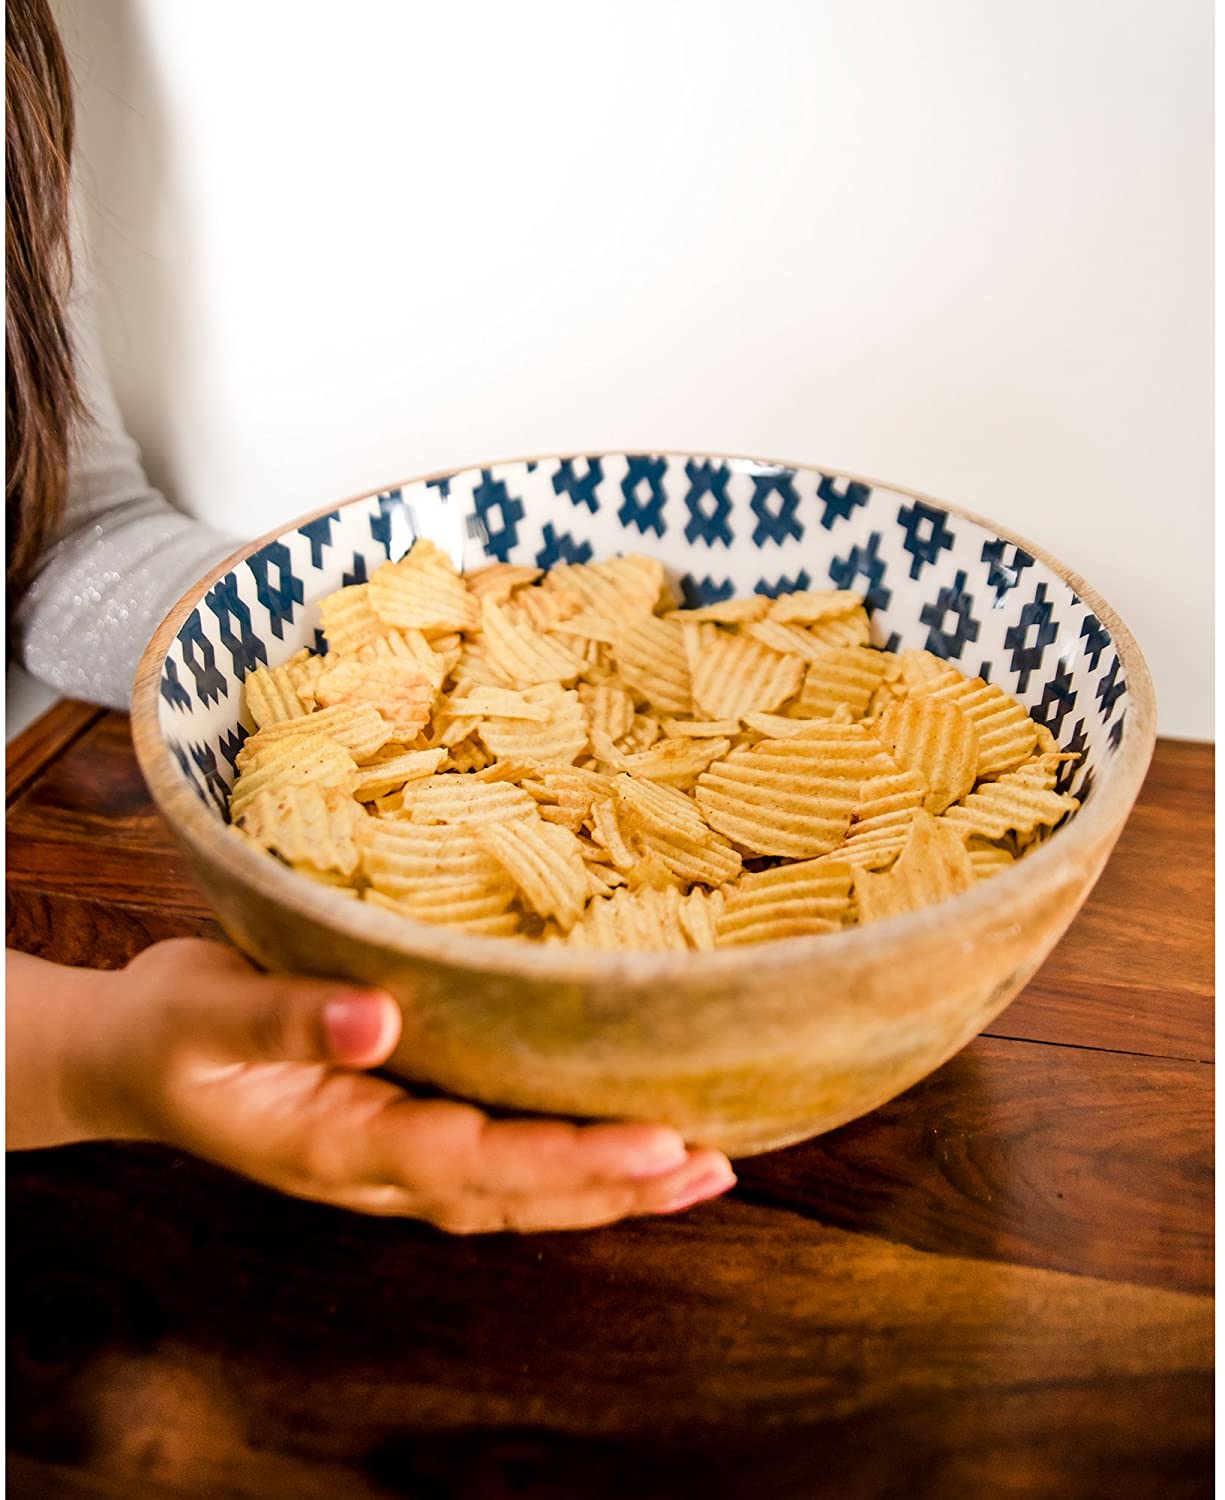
[243, 1016]
[440, 1147]
[704, 1175]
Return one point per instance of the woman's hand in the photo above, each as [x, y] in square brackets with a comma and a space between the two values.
[263, 1074]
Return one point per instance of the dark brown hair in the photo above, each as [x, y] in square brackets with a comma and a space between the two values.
[42, 399]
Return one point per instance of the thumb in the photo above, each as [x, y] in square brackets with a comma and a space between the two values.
[282, 1018]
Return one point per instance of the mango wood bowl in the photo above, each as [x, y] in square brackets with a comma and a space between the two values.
[744, 1049]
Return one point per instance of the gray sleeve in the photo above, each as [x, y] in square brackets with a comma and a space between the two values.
[122, 557]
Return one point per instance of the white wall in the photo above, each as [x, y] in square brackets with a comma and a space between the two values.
[958, 245]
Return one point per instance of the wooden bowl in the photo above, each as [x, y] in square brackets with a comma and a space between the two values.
[744, 1049]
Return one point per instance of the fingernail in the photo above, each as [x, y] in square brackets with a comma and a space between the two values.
[708, 1185]
[355, 1025]
[657, 1161]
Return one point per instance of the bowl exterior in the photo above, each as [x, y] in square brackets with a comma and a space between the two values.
[744, 1053]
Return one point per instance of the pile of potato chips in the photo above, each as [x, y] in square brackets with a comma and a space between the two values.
[571, 758]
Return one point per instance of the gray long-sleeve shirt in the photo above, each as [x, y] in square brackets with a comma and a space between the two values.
[123, 555]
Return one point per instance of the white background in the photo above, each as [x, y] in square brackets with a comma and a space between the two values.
[956, 245]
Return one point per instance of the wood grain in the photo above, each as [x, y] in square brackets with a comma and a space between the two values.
[995, 1284]
[35, 749]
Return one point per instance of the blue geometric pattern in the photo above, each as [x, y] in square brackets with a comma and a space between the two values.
[863, 569]
[709, 508]
[1030, 636]
[837, 504]
[775, 503]
[644, 495]
[1007, 562]
[950, 620]
[582, 491]
[932, 580]
[494, 502]
[926, 534]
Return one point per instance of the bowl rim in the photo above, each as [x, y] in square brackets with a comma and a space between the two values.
[1051, 864]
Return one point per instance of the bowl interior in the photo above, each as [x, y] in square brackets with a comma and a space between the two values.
[933, 577]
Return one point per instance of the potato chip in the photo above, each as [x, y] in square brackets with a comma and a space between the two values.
[1006, 733]
[650, 871]
[398, 689]
[617, 588]
[587, 629]
[988, 859]
[564, 794]
[340, 884]
[422, 591]
[787, 640]
[669, 824]
[1012, 804]
[609, 708]
[918, 667]
[545, 606]
[507, 770]
[603, 880]
[496, 702]
[608, 833]
[933, 865]
[545, 863]
[814, 606]
[360, 729]
[295, 760]
[650, 656]
[311, 824]
[457, 798]
[853, 629]
[499, 580]
[271, 693]
[840, 677]
[648, 919]
[728, 611]
[792, 900]
[733, 675]
[560, 741]
[675, 762]
[411, 645]
[479, 915]
[1045, 742]
[699, 729]
[791, 797]
[384, 776]
[883, 818]
[349, 620]
[641, 735]
[522, 654]
[936, 739]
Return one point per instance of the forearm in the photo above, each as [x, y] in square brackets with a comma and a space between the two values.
[51, 1095]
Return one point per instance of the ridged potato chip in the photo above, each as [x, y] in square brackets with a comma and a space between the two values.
[607, 832]
[272, 695]
[495, 702]
[349, 620]
[398, 689]
[453, 797]
[792, 900]
[883, 818]
[560, 741]
[422, 591]
[341, 885]
[648, 919]
[499, 580]
[1014, 803]
[614, 589]
[359, 728]
[933, 865]
[734, 675]
[523, 654]
[787, 640]
[675, 762]
[609, 708]
[650, 656]
[699, 729]
[293, 761]
[436, 876]
[564, 794]
[451, 907]
[791, 797]
[840, 678]
[918, 667]
[669, 824]
[988, 859]
[811, 607]
[853, 629]
[384, 776]
[312, 824]
[936, 739]
[728, 611]
[545, 862]
[1006, 734]
[411, 645]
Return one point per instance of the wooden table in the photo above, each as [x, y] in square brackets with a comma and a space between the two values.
[999, 1284]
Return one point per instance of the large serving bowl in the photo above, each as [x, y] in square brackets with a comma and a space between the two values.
[747, 1048]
